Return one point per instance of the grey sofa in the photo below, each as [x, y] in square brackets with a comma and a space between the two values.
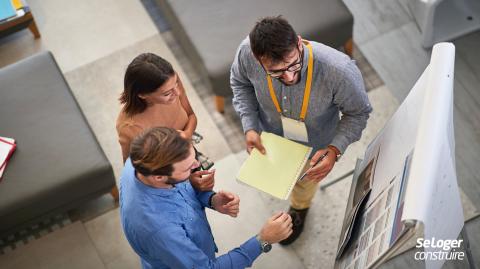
[58, 163]
[210, 31]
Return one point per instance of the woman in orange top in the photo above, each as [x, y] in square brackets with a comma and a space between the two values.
[154, 96]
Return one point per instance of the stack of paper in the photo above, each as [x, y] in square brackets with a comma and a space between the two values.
[7, 147]
[278, 170]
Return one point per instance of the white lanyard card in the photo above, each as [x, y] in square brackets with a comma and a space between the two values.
[294, 129]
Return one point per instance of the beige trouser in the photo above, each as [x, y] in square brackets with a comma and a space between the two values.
[303, 192]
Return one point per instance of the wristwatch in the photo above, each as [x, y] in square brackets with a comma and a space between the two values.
[210, 200]
[338, 154]
[264, 246]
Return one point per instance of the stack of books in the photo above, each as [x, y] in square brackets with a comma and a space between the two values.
[7, 147]
[9, 9]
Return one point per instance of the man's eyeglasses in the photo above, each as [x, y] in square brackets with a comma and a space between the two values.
[294, 67]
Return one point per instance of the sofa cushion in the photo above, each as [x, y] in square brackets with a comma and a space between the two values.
[58, 160]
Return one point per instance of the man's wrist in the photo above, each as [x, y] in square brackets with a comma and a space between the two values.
[259, 239]
[210, 200]
[264, 245]
[336, 151]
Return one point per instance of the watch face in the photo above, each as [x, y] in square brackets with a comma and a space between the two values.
[266, 247]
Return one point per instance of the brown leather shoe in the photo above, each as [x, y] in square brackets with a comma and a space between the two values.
[298, 220]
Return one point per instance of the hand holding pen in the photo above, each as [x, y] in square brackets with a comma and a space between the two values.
[321, 164]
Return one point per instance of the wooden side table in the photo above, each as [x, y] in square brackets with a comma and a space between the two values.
[19, 23]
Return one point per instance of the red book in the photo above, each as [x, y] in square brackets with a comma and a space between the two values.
[7, 147]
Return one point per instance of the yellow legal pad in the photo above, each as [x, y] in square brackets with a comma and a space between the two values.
[276, 172]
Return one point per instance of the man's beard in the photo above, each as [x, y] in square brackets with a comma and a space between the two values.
[173, 181]
[299, 78]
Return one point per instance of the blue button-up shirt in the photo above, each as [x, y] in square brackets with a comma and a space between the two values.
[168, 228]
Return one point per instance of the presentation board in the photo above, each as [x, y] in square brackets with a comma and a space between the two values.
[409, 170]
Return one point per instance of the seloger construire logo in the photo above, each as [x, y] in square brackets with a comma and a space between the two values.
[444, 249]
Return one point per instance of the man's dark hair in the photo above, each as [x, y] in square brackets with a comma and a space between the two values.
[144, 75]
[272, 38]
[156, 150]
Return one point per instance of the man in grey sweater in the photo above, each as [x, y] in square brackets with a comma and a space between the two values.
[304, 91]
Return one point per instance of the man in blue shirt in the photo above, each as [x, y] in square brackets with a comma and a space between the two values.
[164, 218]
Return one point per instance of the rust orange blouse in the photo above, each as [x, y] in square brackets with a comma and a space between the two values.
[175, 115]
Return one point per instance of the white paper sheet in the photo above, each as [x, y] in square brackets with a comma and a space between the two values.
[424, 123]
[397, 139]
[432, 194]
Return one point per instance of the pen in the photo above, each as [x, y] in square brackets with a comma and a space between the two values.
[319, 160]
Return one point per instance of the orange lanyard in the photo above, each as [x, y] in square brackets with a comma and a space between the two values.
[308, 85]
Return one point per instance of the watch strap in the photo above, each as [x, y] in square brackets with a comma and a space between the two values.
[210, 200]
[338, 154]
[264, 246]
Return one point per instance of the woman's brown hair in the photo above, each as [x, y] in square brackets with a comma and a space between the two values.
[144, 75]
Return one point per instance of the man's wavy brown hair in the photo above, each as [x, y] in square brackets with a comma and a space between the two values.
[156, 150]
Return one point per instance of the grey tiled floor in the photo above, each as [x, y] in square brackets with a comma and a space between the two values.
[374, 18]
[69, 247]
